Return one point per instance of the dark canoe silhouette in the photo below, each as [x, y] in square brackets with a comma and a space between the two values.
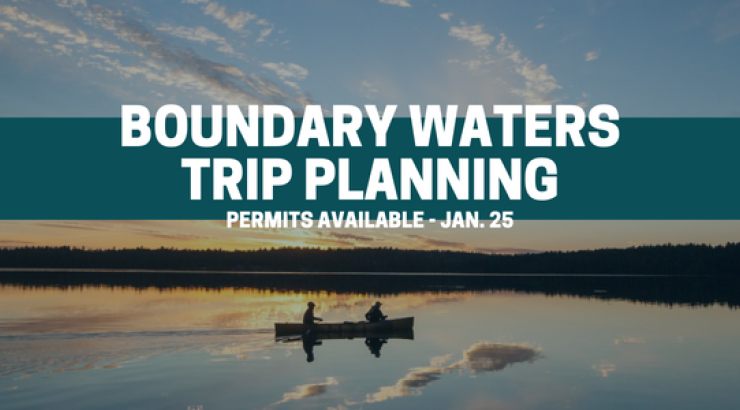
[348, 329]
[406, 334]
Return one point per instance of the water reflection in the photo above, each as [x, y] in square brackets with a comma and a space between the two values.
[663, 290]
[309, 341]
[375, 344]
[26, 356]
[479, 358]
[44, 310]
[374, 341]
[216, 348]
[308, 390]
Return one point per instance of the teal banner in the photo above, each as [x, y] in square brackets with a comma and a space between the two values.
[661, 168]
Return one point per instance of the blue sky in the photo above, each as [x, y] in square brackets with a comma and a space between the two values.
[78, 58]
[86, 58]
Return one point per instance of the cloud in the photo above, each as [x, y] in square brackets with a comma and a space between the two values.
[592, 55]
[264, 33]
[368, 89]
[235, 20]
[541, 25]
[198, 34]
[78, 225]
[444, 244]
[135, 48]
[308, 390]
[538, 83]
[9, 27]
[479, 358]
[400, 3]
[145, 228]
[184, 69]
[287, 71]
[33, 22]
[474, 34]
[425, 241]
[507, 251]
[71, 3]
[475, 64]
[446, 16]
[14, 242]
[349, 236]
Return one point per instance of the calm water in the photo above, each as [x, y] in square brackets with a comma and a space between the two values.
[144, 346]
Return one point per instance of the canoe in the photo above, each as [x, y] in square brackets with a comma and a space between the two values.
[347, 328]
[405, 334]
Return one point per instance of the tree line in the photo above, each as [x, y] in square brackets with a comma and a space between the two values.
[668, 259]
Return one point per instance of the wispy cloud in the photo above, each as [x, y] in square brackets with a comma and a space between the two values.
[184, 68]
[233, 20]
[264, 33]
[198, 34]
[48, 26]
[444, 244]
[400, 3]
[474, 34]
[290, 73]
[129, 44]
[287, 70]
[538, 83]
[592, 55]
[350, 236]
[11, 243]
[506, 251]
[446, 16]
[368, 89]
[152, 229]
[427, 242]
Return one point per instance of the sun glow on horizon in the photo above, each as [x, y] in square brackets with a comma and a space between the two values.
[524, 237]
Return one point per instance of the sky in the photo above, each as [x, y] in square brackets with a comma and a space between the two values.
[78, 58]
[674, 58]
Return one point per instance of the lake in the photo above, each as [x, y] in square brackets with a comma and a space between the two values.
[92, 340]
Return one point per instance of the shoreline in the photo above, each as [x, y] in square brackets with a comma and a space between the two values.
[318, 273]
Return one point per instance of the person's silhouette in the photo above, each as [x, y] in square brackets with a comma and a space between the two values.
[375, 314]
[309, 341]
[375, 344]
[308, 317]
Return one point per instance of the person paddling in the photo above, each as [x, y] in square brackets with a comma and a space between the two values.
[309, 318]
[374, 314]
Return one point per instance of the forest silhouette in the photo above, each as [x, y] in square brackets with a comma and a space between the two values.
[689, 259]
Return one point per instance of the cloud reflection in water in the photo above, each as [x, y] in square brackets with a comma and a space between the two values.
[308, 390]
[479, 358]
